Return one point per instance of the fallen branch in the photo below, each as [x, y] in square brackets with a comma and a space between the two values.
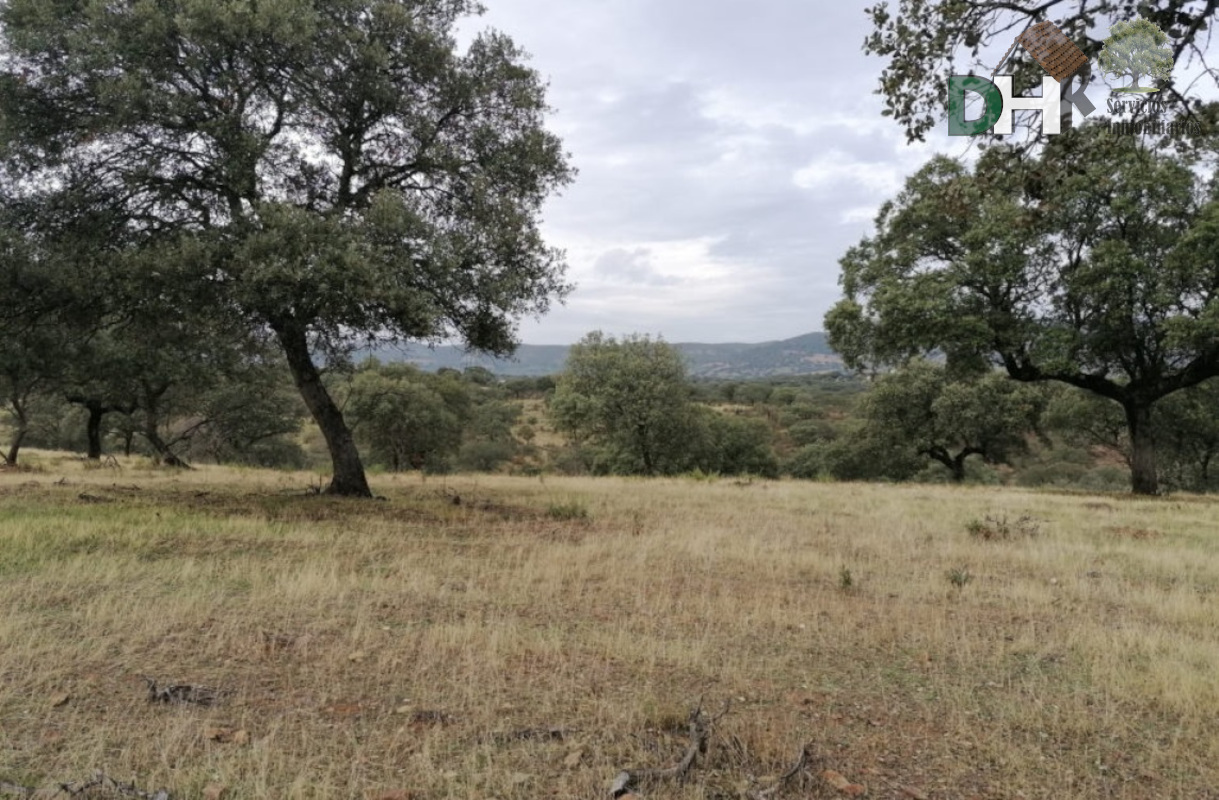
[699, 727]
[86, 789]
[797, 769]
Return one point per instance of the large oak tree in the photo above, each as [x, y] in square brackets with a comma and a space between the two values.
[1092, 263]
[333, 168]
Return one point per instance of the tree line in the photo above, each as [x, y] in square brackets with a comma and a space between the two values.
[629, 407]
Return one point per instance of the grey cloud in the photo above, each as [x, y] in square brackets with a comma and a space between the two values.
[631, 266]
[691, 121]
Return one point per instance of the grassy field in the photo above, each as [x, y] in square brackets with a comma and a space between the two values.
[494, 637]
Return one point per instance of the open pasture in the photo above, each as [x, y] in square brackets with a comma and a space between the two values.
[478, 637]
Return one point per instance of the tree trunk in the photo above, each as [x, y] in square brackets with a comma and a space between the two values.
[93, 430]
[152, 421]
[1142, 449]
[349, 479]
[645, 450]
[23, 428]
[14, 446]
[958, 467]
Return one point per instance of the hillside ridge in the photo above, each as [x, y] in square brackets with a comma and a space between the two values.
[800, 355]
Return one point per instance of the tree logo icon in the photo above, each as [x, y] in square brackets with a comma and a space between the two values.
[1137, 48]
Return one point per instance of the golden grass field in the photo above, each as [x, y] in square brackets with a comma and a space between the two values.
[405, 648]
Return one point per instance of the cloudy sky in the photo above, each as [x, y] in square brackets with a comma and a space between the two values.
[728, 154]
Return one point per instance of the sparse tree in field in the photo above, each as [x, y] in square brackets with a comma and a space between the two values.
[52, 268]
[738, 445]
[330, 168]
[631, 398]
[1136, 48]
[1091, 264]
[923, 43]
[404, 421]
[923, 409]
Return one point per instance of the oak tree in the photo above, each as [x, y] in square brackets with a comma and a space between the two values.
[1091, 264]
[333, 168]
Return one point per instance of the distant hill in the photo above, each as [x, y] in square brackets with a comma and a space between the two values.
[801, 355]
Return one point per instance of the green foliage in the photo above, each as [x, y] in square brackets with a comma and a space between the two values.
[739, 446]
[1187, 434]
[572, 510]
[252, 418]
[1085, 264]
[326, 169]
[1082, 419]
[483, 455]
[402, 417]
[1136, 48]
[807, 463]
[811, 431]
[631, 400]
[922, 409]
[959, 577]
[858, 455]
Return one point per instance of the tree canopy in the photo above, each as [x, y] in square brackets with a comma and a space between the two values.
[923, 409]
[632, 398]
[1091, 263]
[330, 168]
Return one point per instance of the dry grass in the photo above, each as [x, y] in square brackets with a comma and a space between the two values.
[368, 648]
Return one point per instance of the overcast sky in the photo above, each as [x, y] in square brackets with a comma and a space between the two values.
[728, 154]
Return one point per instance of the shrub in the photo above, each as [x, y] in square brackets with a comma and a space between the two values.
[995, 528]
[484, 455]
[571, 510]
[959, 577]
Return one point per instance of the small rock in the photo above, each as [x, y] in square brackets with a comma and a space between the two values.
[573, 759]
[357, 656]
[214, 791]
[60, 700]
